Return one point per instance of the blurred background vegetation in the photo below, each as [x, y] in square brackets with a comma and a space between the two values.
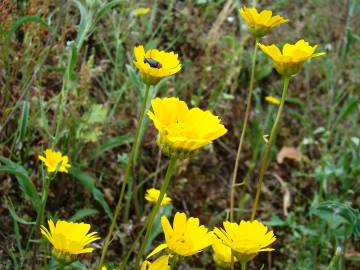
[311, 192]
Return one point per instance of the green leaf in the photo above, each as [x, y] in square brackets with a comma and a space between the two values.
[21, 175]
[110, 144]
[24, 20]
[88, 182]
[23, 122]
[80, 214]
[347, 109]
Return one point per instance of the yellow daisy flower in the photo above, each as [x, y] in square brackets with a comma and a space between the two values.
[183, 131]
[162, 263]
[185, 238]
[290, 60]
[246, 239]
[54, 159]
[155, 65]
[272, 100]
[222, 253]
[152, 195]
[69, 239]
[260, 23]
[141, 11]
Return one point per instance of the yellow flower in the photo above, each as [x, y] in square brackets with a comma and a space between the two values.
[222, 253]
[260, 23]
[290, 61]
[153, 194]
[103, 268]
[182, 131]
[185, 238]
[162, 263]
[141, 11]
[155, 65]
[272, 100]
[246, 239]
[69, 239]
[54, 159]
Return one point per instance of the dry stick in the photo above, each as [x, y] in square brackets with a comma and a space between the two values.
[246, 118]
[154, 211]
[125, 179]
[268, 147]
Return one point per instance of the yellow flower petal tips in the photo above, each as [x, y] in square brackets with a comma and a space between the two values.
[222, 253]
[290, 60]
[154, 65]
[53, 159]
[260, 23]
[162, 263]
[246, 239]
[183, 131]
[69, 239]
[272, 100]
[185, 238]
[153, 194]
[141, 11]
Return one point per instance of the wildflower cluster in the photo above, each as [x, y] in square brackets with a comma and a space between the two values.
[182, 133]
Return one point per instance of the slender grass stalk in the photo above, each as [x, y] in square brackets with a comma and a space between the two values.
[243, 266]
[154, 211]
[245, 121]
[268, 147]
[126, 176]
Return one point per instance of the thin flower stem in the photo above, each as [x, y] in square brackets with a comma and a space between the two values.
[243, 266]
[268, 147]
[245, 121]
[126, 176]
[154, 211]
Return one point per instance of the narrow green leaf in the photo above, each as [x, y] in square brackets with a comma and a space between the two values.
[80, 214]
[26, 185]
[110, 144]
[347, 109]
[23, 122]
[88, 182]
[24, 20]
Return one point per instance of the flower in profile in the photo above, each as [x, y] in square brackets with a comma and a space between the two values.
[222, 253]
[155, 65]
[246, 239]
[141, 11]
[152, 195]
[272, 100]
[260, 23]
[183, 131]
[55, 161]
[290, 60]
[162, 263]
[185, 238]
[69, 239]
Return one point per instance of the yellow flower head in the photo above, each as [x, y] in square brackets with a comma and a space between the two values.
[185, 238]
[260, 23]
[182, 131]
[162, 263]
[290, 60]
[152, 195]
[222, 253]
[54, 159]
[246, 239]
[155, 65]
[103, 268]
[272, 100]
[141, 11]
[69, 239]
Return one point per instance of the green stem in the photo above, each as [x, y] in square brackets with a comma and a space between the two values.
[246, 118]
[125, 179]
[243, 266]
[154, 211]
[268, 147]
